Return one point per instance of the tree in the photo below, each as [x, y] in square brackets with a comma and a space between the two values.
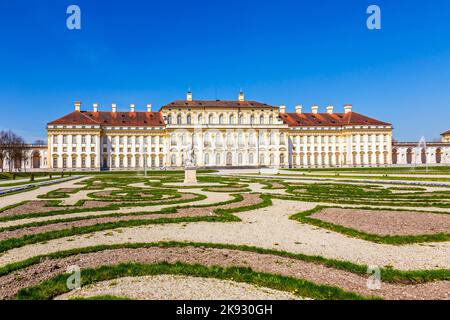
[12, 149]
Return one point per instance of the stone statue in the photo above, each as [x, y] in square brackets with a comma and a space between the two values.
[190, 173]
[190, 158]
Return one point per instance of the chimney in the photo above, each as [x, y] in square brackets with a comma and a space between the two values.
[315, 109]
[348, 108]
[77, 106]
[95, 107]
[298, 108]
[114, 108]
[241, 96]
[282, 108]
[149, 107]
[189, 96]
[330, 109]
[132, 107]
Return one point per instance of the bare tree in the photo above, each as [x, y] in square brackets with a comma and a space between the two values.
[13, 149]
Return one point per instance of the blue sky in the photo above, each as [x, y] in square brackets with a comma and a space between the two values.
[279, 52]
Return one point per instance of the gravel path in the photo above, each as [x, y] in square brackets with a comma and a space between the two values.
[267, 228]
[211, 198]
[248, 200]
[32, 194]
[170, 287]
[10, 284]
[386, 223]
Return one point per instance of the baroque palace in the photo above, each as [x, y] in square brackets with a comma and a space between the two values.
[220, 134]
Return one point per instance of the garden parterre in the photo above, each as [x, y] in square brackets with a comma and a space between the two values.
[310, 240]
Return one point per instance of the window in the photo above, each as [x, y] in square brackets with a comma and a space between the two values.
[83, 139]
[173, 160]
[232, 119]
[179, 119]
[64, 162]
[221, 119]
[55, 162]
[169, 119]
[173, 139]
[261, 120]
[200, 119]
[240, 158]
[211, 119]
[83, 162]
[74, 139]
[153, 139]
[271, 120]
[74, 162]
[241, 119]
[218, 159]
[252, 119]
[189, 119]
[105, 140]
[272, 138]
[250, 158]
[129, 162]
[92, 162]
[64, 139]
[206, 158]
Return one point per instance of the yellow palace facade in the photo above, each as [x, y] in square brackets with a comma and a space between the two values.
[232, 133]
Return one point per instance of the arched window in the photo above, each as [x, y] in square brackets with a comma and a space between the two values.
[271, 120]
[189, 119]
[272, 138]
[252, 119]
[179, 119]
[218, 159]
[251, 139]
[206, 158]
[221, 119]
[261, 119]
[229, 138]
[200, 119]
[211, 119]
[232, 119]
[173, 139]
[250, 158]
[218, 139]
[241, 119]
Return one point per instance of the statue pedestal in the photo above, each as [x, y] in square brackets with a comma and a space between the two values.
[190, 176]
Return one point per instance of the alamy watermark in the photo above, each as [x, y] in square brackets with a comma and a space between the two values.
[74, 280]
[374, 20]
[374, 280]
[73, 21]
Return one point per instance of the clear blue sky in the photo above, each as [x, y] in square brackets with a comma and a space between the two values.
[279, 52]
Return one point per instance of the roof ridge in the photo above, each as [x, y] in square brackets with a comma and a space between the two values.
[88, 117]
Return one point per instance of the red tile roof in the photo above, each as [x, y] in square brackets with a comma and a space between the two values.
[217, 104]
[326, 119]
[138, 119]
[446, 133]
